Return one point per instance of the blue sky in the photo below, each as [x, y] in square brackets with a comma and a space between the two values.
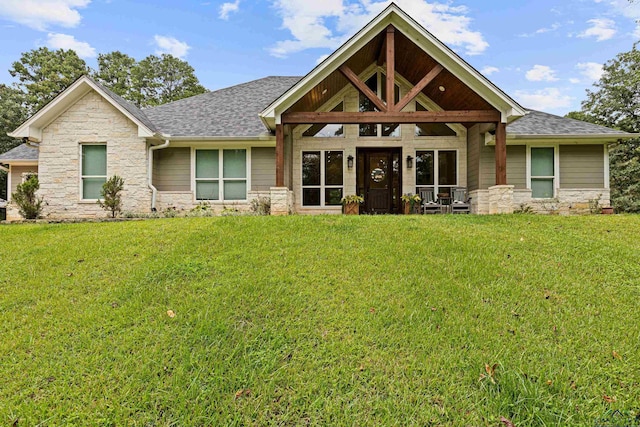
[543, 53]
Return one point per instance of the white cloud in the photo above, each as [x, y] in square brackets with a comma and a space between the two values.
[41, 14]
[309, 25]
[548, 99]
[322, 58]
[228, 8]
[65, 41]
[543, 30]
[574, 80]
[625, 8]
[488, 70]
[171, 45]
[591, 70]
[601, 28]
[541, 73]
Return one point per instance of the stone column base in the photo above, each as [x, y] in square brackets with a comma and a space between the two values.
[501, 199]
[281, 201]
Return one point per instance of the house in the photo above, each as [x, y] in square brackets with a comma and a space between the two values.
[392, 111]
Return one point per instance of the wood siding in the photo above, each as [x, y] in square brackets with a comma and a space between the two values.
[581, 166]
[263, 168]
[516, 166]
[16, 175]
[172, 169]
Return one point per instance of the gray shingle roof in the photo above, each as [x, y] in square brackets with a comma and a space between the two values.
[539, 123]
[21, 152]
[231, 111]
[132, 109]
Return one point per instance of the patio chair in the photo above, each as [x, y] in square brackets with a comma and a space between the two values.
[460, 203]
[429, 204]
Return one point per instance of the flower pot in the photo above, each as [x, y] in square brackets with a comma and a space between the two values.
[607, 210]
[351, 208]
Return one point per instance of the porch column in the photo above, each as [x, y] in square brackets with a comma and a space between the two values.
[279, 156]
[501, 153]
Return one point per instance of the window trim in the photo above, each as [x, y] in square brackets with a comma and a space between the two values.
[82, 177]
[322, 185]
[556, 169]
[436, 169]
[220, 178]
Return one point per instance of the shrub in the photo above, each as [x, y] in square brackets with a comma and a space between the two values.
[111, 197]
[29, 205]
[261, 206]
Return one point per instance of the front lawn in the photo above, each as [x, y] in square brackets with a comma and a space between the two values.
[321, 321]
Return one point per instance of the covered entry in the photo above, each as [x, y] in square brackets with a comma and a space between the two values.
[380, 179]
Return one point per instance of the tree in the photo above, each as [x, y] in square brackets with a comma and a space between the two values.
[12, 114]
[114, 72]
[43, 73]
[111, 197]
[615, 102]
[29, 204]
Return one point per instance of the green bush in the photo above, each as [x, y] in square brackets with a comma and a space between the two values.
[111, 197]
[29, 205]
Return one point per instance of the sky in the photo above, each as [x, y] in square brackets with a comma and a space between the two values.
[543, 53]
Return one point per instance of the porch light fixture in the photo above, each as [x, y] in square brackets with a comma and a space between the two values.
[350, 161]
[442, 88]
[409, 162]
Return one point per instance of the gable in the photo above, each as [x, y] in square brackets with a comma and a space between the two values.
[418, 52]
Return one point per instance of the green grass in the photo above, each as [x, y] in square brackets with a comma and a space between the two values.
[326, 320]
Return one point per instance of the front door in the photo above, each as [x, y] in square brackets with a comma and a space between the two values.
[380, 179]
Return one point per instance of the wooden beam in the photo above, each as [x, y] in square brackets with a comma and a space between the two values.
[501, 153]
[279, 155]
[362, 87]
[410, 96]
[458, 116]
[391, 68]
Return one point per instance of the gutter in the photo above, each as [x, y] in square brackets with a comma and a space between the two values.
[154, 190]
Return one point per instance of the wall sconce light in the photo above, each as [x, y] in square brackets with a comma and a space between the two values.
[350, 161]
[409, 162]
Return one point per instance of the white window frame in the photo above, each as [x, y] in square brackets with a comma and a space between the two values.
[378, 72]
[220, 178]
[556, 169]
[322, 185]
[82, 177]
[436, 169]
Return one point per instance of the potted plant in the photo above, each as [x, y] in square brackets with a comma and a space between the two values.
[410, 203]
[351, 204]
[607, 210]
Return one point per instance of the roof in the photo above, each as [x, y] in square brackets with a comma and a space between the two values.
[539, 123]
[231, 111]
[23, 152]
[132, 109]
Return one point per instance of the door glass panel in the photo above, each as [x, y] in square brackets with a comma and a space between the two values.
[311, 168]
[207, 164]
[447, 168]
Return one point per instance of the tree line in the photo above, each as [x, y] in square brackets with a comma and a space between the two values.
[43, 73]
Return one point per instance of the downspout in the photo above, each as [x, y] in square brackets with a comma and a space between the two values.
[154, 190]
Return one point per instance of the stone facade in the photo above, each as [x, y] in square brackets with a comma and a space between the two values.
[282, 201]
[91, 120]
[185, 201]
[501, 199]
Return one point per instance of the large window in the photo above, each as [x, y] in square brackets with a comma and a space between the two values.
[542, 172]
[327, 130]
[322, 178]
[221, 174]
[378, 84]
[94, 170]
[437, 169]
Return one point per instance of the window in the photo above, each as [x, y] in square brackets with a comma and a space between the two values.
[542, 172]
[322, 178]
[221, 174]
[432, 129]
[327, 130]
[437, 169]
[94, 170]
[378, 84]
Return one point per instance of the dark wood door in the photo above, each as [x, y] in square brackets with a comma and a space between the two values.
[379, 179]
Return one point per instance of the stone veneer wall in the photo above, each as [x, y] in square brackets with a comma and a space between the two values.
[184, 201]
[569, 201]
[91, 119]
